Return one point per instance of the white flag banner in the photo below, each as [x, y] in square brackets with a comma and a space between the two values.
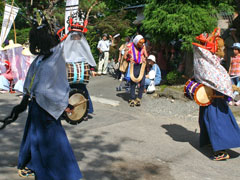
[71, 7]
[10, 14]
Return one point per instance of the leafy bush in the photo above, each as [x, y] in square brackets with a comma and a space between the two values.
[180, 19]
[22, 35]
[174, 77]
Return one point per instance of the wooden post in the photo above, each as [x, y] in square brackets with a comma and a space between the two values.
[14, 28]
[15, 34]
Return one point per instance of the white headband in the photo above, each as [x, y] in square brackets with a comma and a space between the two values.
[137, 39]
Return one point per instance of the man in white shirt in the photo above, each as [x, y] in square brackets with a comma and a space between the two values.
[104, 47]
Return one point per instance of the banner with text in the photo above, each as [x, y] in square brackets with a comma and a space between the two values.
[71, 7]
[10, 14]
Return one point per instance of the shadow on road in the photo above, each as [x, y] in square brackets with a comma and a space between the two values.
[124, 95]
[95, 151]
[181, 134]
[104, 164]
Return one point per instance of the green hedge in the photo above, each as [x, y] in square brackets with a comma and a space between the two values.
[22, 35]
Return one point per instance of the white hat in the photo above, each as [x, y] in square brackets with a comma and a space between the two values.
[152, 58]
[11, 45]
[236, 45]
[137, 39]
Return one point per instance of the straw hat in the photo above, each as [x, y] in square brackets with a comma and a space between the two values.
[12, 45]
[26, 52]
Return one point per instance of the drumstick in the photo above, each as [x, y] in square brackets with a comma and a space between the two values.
[217, 96]
[75, 105]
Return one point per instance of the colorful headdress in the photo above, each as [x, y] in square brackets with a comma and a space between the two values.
[76, 22]
[209, 41]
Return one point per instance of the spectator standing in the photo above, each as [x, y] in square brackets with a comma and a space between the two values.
[230, 38]
[104, 47]
[234, 69]
[123, 64]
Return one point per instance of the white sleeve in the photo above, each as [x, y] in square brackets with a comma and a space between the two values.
[99, 44]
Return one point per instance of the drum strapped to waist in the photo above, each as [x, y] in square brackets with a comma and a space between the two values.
[141, 74]
[198, 92]
[78, 72]
[79, 100]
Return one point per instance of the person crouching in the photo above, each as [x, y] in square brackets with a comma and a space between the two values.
[154, 71]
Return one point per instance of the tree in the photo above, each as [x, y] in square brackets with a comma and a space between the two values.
[182, 19]
[118, 4]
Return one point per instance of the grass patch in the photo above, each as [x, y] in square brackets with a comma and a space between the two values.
[161, 87]
[178, 88]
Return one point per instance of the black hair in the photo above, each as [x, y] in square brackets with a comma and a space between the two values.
[42, 39]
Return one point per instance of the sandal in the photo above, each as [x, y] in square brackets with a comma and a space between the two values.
[138, 102]
[220, 155]
[25, 172]
[131, 103]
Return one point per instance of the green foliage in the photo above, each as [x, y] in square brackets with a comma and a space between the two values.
[104, 18]
[116, 23]
[118, 4]
[112, 24]
[92, 38]
[181, 19]
[174, 77]
[22, 35]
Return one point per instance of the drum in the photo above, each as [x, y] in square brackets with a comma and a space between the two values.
[78, 72]
[79, 100]
[198, 92]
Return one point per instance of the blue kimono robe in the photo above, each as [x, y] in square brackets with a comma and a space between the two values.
[45, 148]
[218, 126]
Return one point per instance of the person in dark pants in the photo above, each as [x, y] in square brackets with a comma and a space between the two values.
[133, 85]
[136, 53]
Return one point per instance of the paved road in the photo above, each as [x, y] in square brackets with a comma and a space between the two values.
[157, 141]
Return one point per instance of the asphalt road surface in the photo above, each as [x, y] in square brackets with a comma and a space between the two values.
[157, 141]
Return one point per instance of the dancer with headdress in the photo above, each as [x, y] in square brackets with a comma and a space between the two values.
[136, 53]
[45, 150]
[78, 57]
[218, 126]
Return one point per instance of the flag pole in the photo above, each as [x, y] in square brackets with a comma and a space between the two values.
[14, 28]
[15, 34]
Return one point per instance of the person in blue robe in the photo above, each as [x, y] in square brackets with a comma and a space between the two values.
[219, 128]
[45, 150]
